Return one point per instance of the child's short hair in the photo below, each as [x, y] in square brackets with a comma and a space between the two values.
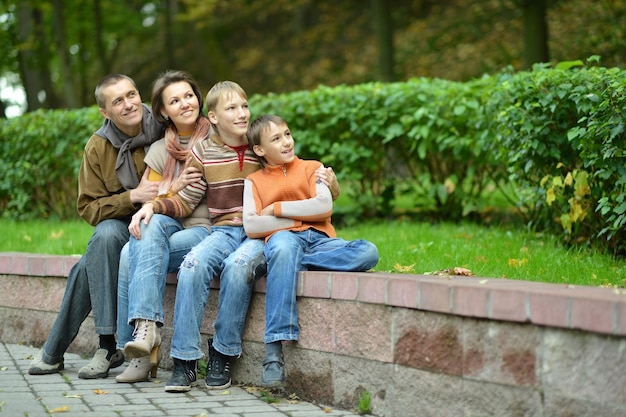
[221, 89]
[257, 127]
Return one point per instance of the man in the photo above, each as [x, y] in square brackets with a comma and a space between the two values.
[112, 185]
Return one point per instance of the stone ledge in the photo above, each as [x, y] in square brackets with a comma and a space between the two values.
[418, 344]
[598, 310]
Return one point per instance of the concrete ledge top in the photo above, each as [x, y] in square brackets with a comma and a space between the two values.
[598, 310]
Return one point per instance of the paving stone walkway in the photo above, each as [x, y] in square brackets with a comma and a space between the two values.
[65, 395]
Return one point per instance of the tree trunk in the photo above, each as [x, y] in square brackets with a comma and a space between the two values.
[101, 51]
[26, 56]
[384, 39]
[65, 65]
[535, 32]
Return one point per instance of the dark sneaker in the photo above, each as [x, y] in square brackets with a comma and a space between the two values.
[217, 369]
[273, 371]
[260, 271]
[183, 376]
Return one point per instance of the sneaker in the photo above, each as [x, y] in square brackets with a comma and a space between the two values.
[39, 367]
[99, 365]
[273, 371]
[260, 271]
[183, 376]
[217, 369]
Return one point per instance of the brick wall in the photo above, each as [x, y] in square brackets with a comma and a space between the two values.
[420, 345]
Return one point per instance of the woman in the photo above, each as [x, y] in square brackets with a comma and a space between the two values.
[160, 245]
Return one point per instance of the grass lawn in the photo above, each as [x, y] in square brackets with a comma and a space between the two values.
[405, 247]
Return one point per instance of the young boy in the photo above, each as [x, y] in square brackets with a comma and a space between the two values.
[290, 208]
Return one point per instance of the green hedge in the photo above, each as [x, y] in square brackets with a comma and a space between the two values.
[39, 160]
[550, 140]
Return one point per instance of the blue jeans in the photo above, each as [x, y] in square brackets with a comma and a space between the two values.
[227, 253]
[91, 284]
[289, 252]
[144, 265]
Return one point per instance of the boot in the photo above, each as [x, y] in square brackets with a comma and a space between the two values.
[139, 369]
[147, 340]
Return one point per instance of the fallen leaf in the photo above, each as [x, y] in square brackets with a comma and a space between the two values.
[72, 396]
[452, 271]
[56, 235]
[483, 281]
[518, 262]
[327, 410]
[225, 392]
[4, 368]
[98, 391]
[400, 268]
[462, 271]
[62, 409]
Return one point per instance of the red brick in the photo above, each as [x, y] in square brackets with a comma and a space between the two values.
[402, 292]
[372, 288]
[434, 296]
[548, 309]
[6, 264]
[595, 315]
[315, 285]
[344, 287]
[470, 301]
[620, 318]
[508, 305]
[37, 266]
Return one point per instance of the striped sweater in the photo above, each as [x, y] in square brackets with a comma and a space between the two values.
[225, 169]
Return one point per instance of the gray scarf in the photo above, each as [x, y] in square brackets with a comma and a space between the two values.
[151, 130]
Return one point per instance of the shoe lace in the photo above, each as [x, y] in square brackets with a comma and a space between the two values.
[219, 365]
[141, 330]
[181, 370]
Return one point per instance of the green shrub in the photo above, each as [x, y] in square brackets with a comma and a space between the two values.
[550, 140]
[425, 138]
[39, 160]
[561, 133]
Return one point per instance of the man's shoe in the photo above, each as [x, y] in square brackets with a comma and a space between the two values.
[99, 365]
[39, 367]
[273, 371]
[183, 376]
[217, 369]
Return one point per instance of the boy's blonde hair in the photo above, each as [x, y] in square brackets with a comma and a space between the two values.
[222, 89]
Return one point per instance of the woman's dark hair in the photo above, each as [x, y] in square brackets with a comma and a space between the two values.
[165, 80]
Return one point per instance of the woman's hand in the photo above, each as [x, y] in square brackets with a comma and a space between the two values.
[188, 176]
[145, 213]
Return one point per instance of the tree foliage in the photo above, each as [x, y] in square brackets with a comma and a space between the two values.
[61, 49]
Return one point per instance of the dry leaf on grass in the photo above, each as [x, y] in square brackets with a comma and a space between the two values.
[403, 268]
[453, 271]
